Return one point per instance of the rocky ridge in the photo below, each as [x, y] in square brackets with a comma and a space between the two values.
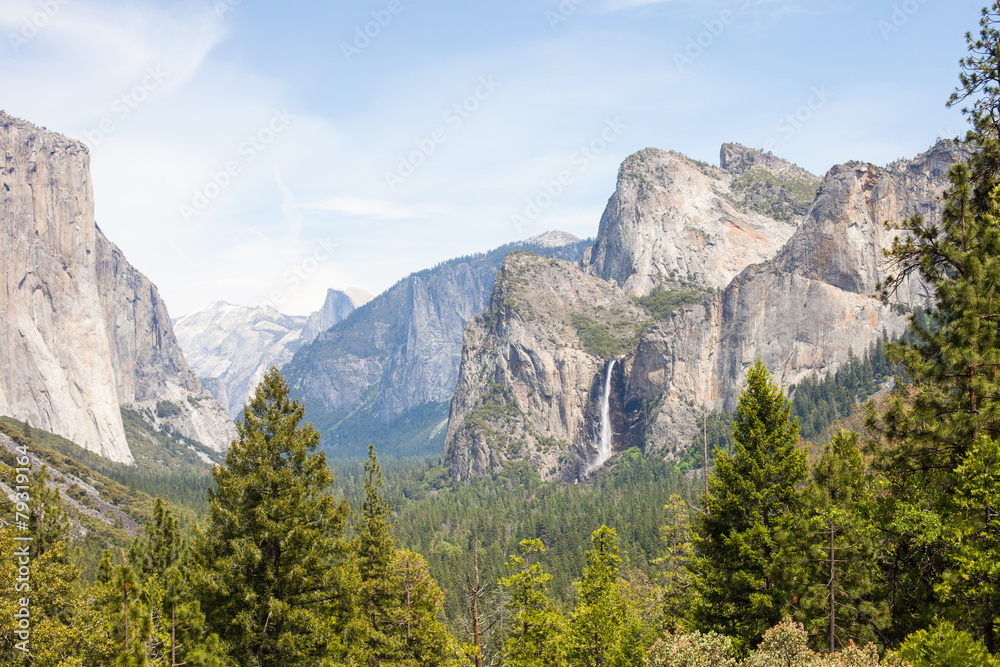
[83, 333]
[532, 368]
[386, 373]
[673, 217]
[801, 311]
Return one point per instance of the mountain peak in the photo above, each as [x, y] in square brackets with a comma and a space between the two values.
[553, 239]
[738, 159]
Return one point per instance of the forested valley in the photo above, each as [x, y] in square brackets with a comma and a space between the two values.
[821, 532]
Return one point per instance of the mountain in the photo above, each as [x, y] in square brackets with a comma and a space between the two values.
[386, 373]
[673, 217]
[802, 310]
[533, 365]
[231, 347]
[84, 334]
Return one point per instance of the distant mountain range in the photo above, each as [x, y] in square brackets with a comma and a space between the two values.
[695, 271]
[231, 347]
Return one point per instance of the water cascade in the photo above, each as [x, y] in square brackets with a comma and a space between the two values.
[604, 441]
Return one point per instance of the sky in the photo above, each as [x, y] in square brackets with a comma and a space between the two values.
[261, 152]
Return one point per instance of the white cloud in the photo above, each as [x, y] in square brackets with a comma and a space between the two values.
[357, 207]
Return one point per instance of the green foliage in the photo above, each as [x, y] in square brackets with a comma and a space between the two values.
[674, 565]
[932, 430]
[603, 629]
[743, 539]
[538, 627]
[662, 302]
[166, 409]
[943, 646]
[273, 554]
[606, 338]
[839, 546]
[778, 196]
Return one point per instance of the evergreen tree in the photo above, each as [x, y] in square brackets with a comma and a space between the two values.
[398, 601]
[953, 362]
[375, 549]
[536, 635]
[602, 632]
[744, 538]
[48, 521]
[838, 603]
[163, 561]
[276, 578]
[678, 581]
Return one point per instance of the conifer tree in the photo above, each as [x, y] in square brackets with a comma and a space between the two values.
[275, 576]
[953, 361]
[678, 581]
[536, 635]
[602, 632]
[838, 604]
[744, 539]
[398, 601]
[375, 549]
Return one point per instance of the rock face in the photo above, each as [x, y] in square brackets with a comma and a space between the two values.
[82, 331]
[531, 378]
[394, 361]
[801, 312]
[231, 347]
[671, 217]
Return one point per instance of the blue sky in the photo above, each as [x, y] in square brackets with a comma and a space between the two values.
[260, 152]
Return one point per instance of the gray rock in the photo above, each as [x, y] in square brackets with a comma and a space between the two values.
[673, 217]
[231, 347]
[81, 331]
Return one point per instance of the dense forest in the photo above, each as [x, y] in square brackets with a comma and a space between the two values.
[872, 546]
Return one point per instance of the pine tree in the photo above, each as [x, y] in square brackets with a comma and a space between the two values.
[744, 540]
[48, 521]
[536, 635]
[275, 573]
[678, 581]
[602, 632]
[398, 601]
[953, 359]
[838, 604]
[375, 549]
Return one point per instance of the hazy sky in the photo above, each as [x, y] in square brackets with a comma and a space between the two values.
[255, 151]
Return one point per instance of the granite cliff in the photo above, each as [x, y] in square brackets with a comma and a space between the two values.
[385, 374]
[801, 306]
[83, 333]
[673, 217]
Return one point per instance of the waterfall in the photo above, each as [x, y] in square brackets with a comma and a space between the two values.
[604, 440]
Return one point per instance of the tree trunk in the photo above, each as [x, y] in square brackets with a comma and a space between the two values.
[833, 593]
